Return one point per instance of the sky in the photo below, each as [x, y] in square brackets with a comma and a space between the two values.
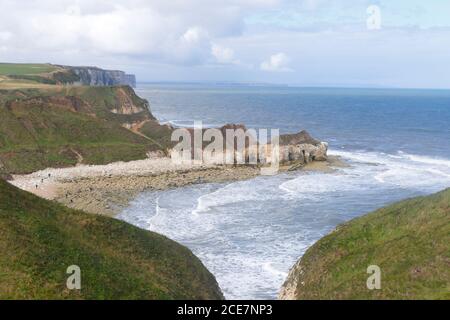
[348, 43]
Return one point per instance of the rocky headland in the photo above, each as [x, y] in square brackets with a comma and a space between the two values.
[93, 76]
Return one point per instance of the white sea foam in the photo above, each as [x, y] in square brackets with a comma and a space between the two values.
[190, 124]
[250, 233]
[428, 160]
[313, 185]
[233, 193]
[402, 169]
[269, 268]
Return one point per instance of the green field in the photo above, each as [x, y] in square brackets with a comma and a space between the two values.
[25, 69]
[39, 239]
[409, 241]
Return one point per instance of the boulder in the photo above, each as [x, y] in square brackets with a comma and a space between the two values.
[302, 148]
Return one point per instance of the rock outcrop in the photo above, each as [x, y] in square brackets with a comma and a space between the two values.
[93, 76]
[289, 289]
[294, 149]
[128, 103]
[301, 147]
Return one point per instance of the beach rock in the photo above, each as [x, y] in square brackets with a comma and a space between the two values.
[303, 137]
[302, 148]
[289, 289]
[155, 154]
[299, 148]
[320, 153]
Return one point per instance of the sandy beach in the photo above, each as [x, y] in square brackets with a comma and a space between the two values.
[107, 189]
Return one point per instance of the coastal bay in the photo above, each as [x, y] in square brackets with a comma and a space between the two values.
[240, 224]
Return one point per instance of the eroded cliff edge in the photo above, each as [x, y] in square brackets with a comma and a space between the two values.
[93, 76]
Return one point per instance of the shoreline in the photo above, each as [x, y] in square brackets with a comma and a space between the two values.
[108, 189]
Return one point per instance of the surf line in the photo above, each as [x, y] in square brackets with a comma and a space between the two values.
[157, 212]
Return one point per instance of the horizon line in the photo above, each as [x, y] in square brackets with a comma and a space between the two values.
[269, 84]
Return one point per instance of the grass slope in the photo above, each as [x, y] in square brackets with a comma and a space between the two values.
[42, 128]
[14, 75]
[25, 68]
[409, 241]
[39, 239]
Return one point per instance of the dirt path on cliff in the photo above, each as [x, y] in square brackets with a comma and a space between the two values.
[135, 128]
[80, 158]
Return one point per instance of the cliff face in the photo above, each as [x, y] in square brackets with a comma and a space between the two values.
[302, 147]
[93, 76]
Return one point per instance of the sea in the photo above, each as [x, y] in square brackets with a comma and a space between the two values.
[250, 233]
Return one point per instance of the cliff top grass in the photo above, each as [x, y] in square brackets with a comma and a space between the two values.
[40, 239]
[7, 69]
[19, 76]
[409, 241]
[29, 75]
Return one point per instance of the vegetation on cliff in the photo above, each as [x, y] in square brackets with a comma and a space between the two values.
[40, 239]
[58, 126]
[45, 123]
[25, 68]
[26, 73]
[408, 240]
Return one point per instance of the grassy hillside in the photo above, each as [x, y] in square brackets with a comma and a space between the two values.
[14, 75]
[25, 68]
[62, 126]
[40, 239]
[409, 241]
[44, 123]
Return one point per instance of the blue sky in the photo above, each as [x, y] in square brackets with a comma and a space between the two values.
[303, 42]
[396, 13]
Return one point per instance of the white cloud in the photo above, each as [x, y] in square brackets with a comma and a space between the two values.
[4, 36]
[194, 35]
[277, 62]
[173, 32]
[223, 55]
[228, 39]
